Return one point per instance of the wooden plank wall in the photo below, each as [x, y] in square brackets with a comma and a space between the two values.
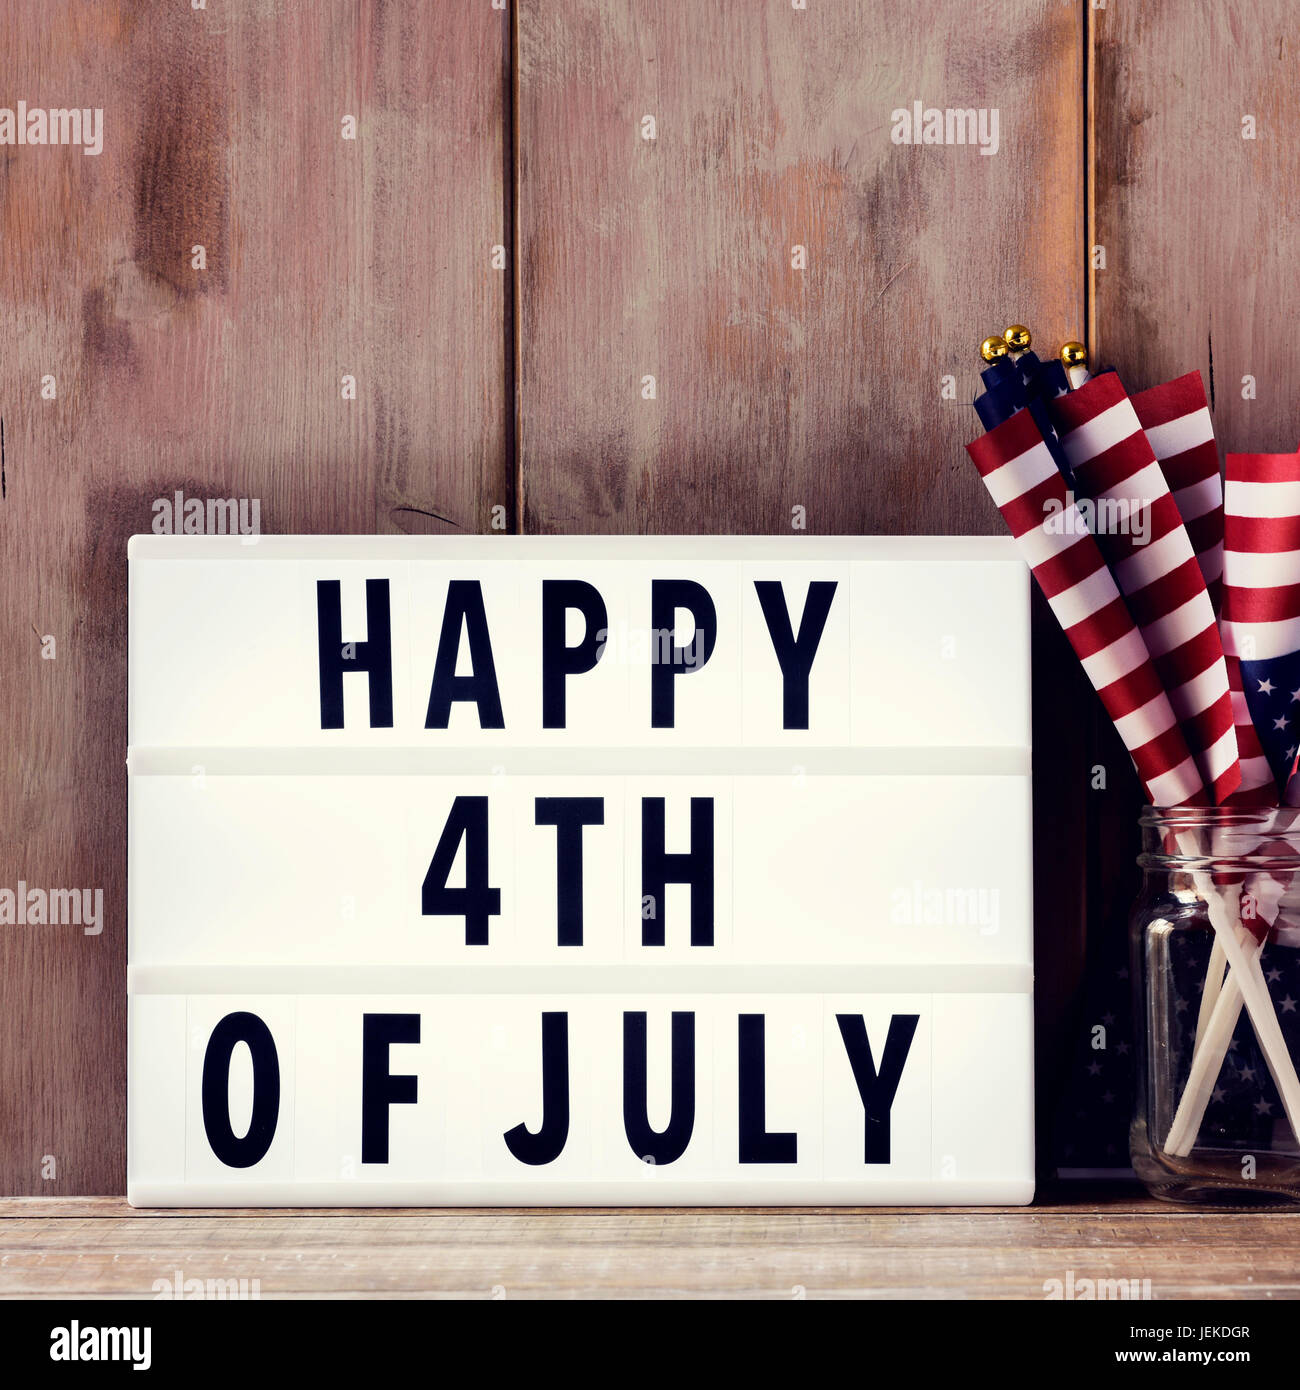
[819, 388]
[523, 388]
[325, 258]
[1193, 168]
[778, 387]
[1197, 221]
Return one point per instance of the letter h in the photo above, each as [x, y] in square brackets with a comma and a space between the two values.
[659, 868]
[374, 655]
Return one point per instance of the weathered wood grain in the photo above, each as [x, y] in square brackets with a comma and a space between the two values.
[777, 387]
[325, 257]
[101, 1249]
[1200, 250]
[1196, 222]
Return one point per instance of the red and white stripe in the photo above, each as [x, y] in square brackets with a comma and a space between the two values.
[1261, 602]
[1258, 785]
[1025, 483]
[1176, 418]
[1155, 568]
[1261, 567]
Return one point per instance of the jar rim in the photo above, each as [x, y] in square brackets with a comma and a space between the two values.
[1260, 839]
[1200, 817]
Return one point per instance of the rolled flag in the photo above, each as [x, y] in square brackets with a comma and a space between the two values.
[1260, 555]
[1029, 490]
[1007, 385]
[1141, 535]
[1022, 478]
[1015, 380]
[1258, 784]
[1261, 600]
[1176, 418]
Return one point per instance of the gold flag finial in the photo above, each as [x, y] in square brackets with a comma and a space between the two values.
[1074, 355]
[993, 347]
[1017, 337]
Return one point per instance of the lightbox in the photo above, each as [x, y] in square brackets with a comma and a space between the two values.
[542, 870]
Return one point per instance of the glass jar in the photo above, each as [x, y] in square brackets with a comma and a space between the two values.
[1218, 1097]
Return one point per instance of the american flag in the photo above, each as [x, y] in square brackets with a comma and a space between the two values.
[1245, 1113]
[1261, 598]
[1149, 551]
[1176, 418]
[1258, 785]
[1029, 490]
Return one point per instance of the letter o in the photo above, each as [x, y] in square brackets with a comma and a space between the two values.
[233, 1151]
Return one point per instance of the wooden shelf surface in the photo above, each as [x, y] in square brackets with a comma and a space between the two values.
[100, 1247]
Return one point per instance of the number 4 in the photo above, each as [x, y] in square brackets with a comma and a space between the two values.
[477, 902]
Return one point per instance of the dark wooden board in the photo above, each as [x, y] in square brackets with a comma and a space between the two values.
[325, 257]
[776, 388]
[780, 388]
